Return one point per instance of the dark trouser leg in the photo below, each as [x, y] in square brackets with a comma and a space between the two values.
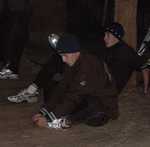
[93, 113]
[46, 79]
[3, 28]
[47, 91]
[15, 37]
[45, 75]
[53, 66]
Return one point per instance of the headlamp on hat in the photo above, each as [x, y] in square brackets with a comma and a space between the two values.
[65, 43]
[53, 40]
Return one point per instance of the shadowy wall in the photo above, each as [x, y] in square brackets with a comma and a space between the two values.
[48, 16]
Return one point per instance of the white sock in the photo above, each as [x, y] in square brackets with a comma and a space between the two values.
[32, 88]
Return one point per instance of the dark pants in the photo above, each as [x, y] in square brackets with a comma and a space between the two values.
[49, 75]
[14, 29]
[47, 72]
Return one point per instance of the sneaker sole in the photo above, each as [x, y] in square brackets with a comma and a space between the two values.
[9, 78]
[32, 100]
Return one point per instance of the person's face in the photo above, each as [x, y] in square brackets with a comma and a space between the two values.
[70, 58]
[110, 39]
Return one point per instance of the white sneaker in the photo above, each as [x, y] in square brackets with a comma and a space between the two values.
[6, 73]
[61, 123]
[24, 96]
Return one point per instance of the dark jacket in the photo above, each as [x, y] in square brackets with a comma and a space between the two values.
[122, 60]
[84, 83]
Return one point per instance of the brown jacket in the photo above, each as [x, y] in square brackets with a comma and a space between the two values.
[85, 79]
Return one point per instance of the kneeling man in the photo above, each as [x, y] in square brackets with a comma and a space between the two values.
[81, 96]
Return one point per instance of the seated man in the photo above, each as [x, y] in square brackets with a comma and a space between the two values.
[81, 96]
[120, 58]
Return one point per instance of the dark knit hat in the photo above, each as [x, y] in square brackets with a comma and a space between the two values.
[67, 44]
[116, 29]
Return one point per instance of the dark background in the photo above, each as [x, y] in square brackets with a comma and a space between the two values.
[84, 18]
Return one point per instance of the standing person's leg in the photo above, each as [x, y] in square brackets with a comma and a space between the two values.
[5, 28]
[19, 37]
[146, 76]
[15, 38]
[145, 73]
[15, 35]
[3, 19]
[46, 80]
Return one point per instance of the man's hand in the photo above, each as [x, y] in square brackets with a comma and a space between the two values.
[40, 120]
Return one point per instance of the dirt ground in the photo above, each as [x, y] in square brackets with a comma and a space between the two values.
[132, 129]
